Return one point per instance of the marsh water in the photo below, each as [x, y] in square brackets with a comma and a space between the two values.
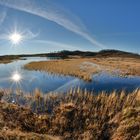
[47, 82]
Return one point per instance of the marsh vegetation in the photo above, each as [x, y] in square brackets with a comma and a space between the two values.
[84, 68]
[7, 59]
[77, 115]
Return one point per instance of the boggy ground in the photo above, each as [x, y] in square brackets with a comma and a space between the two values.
[8, 59]
[5, 61]
[85, 67]
[77, 115]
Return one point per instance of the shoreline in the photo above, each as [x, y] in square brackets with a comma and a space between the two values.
[8, 59]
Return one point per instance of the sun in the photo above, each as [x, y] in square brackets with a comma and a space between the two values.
[15, 38]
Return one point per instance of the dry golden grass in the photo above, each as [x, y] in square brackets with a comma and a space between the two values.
[85, 67]
[5, 61]
[66, 67]
[17, 123]
[77, 115]
[128, 66]
[18, 135]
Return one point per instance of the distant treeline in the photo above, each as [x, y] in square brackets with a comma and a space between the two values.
[67, 54]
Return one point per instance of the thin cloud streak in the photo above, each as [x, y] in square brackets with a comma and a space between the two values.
[2, 16]
[57, 15]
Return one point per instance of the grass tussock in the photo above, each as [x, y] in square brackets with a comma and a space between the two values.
[77, 115]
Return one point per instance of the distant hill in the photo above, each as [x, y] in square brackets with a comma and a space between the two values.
[103, 53]
[66, 54]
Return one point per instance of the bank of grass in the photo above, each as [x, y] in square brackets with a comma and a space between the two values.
[76, 115]
[84, 68]
[8, 59]
[5, 61]
[70, 67]
[126, 65]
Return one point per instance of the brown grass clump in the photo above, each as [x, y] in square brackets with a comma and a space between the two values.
[18, 135]
[77, 115]
[96, 117]
[21, 123]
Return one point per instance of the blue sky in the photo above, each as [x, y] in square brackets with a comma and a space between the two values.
[53, 25]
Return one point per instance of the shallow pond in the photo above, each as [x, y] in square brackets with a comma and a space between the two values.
[49, 82]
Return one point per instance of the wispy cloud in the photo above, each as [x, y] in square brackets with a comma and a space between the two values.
[51, 12]
[2, 16]
[28, 34]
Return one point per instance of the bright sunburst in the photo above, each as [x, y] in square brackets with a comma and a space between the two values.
[15, 38]
[16, 77]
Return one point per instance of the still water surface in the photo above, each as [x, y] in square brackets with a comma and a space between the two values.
[49, 82]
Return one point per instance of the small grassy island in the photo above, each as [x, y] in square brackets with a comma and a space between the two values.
[85, 64]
